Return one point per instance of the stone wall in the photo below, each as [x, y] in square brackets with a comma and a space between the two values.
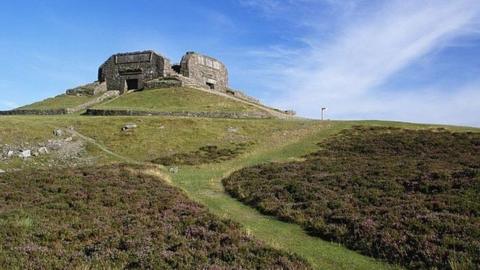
[91, 89]
[205, 71]
[163, 83]
[127, 71]
[241, 95]
[107, 95]
[234, 115]
[35, 112]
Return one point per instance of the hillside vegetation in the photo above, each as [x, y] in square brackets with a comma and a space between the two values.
[157, 137]
[59, 102]
[177, 100]
[406, 196]
[118, 217]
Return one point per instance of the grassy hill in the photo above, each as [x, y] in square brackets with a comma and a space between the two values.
[59, 102]
[174, 141]
[166, 100]
[177, 100]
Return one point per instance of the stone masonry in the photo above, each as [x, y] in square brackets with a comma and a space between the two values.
[91, 89]
[134, 71]
[205, 70]
[129, 71]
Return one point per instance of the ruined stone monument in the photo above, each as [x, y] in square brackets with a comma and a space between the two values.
[129, 71]
[205, 70]
[143, 70]
[148, 69]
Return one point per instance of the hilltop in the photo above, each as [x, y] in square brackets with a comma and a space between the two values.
[179, 170]
[146, 83]
[175, 101]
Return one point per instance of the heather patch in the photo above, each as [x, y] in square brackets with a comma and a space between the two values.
[406, 196]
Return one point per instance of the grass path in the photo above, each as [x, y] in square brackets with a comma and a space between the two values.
[203, 184]
[275, 141]
[102, 147]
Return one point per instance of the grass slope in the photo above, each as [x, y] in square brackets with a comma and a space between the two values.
[406, 196]
[177, 100]
[203, 183]
[273, 140]
[59, 102]
[118, 218]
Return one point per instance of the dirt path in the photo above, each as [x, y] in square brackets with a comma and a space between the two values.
[101, 147]
[152, 169]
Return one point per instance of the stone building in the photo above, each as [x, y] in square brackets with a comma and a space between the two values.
[205, 70]
[129, 71]
[137, 70]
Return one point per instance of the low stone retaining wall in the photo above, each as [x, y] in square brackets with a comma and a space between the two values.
[107, 95]
[35, 112]
[162, 83]
[239, 94]
[234, 115]
[90, 89]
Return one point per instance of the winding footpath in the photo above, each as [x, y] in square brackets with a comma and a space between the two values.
[203, 184]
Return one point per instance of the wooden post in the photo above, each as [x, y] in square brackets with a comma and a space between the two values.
[323, 110]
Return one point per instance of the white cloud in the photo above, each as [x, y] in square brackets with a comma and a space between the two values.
[345, 72]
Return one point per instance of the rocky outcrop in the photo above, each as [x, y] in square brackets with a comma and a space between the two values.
[63, 149]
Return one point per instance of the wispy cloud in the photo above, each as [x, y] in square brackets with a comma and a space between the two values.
[346, 72]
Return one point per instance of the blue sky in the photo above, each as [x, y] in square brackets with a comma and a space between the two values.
[408, 60]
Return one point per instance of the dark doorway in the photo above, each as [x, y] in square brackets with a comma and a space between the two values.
[211, 85]
[177, 68]
[132, 84]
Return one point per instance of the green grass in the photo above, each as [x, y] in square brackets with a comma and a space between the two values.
[274, 140]
[59, 102]
[155, 137]
[176, 100]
